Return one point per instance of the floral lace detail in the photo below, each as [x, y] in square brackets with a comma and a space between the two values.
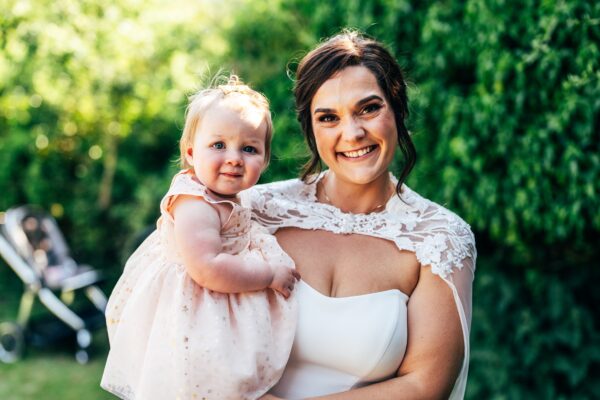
[437, 236]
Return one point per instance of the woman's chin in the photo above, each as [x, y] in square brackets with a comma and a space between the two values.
[361, 176]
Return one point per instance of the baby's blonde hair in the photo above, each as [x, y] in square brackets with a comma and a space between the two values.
[201, 101]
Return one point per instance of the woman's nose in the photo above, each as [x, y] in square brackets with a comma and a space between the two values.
[353, 130]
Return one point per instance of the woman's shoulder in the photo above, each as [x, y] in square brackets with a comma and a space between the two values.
[440, 237]
[432, 213]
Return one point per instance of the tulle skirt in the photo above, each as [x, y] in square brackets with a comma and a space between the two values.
[173, 339]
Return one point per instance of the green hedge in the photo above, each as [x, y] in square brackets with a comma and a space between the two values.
[92, 97]
[505, 101]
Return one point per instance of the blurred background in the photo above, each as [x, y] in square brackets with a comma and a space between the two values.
[505, 115]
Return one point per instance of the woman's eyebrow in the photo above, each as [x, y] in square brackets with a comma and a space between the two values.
[359, 103]
[323, 110]
[368, 99]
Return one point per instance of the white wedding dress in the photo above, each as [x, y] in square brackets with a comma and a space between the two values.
[348, 342]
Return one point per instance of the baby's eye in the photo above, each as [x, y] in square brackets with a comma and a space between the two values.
[327, 118]
[218, 145]
[249, 149]
[369, 108]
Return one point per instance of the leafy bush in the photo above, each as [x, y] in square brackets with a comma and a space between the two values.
[91, 111]
[505, 102]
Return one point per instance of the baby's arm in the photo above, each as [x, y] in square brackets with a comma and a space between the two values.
[197, 234]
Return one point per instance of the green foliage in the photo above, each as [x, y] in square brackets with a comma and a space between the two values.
[507, 133]
[510, 109]
[91, 103]
[504, 111]
[534, 334]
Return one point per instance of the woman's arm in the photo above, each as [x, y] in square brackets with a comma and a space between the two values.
[197, 235]
[434, 352]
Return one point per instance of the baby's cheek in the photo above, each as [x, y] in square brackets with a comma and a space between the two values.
[255, 169]
[258, 164]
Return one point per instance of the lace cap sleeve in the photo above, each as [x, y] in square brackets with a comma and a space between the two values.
[441, 239]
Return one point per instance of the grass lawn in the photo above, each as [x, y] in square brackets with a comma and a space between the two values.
[54, 374]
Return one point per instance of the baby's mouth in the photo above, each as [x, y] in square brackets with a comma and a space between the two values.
[232, 174]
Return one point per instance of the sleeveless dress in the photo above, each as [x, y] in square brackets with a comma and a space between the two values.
[173, 339]
[343, 343]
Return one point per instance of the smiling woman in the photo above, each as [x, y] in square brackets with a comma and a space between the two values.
[385, 297]
[356, 137]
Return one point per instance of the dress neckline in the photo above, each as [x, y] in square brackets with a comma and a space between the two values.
[388, 205]
[356, 296]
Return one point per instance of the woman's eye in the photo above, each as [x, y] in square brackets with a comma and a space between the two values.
[249, 149]
[327, 118]
[218, 145]
[369, 108]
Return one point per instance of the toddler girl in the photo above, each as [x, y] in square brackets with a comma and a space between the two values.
[192, 317]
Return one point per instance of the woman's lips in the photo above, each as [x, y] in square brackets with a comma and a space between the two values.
[357, 154]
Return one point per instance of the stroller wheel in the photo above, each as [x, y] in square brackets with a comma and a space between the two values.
[12, 342]
[82, 357]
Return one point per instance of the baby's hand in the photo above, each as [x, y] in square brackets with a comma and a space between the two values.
[284, 279]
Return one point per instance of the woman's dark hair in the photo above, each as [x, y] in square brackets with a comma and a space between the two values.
[349, 49]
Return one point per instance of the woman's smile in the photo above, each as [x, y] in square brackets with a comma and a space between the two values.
[354, 127]
[359, 154]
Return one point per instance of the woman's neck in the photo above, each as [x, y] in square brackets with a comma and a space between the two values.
[355, 198]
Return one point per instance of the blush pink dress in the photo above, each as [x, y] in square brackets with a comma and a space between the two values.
[173, 339]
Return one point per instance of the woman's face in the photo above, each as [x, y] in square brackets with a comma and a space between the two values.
[354, 126]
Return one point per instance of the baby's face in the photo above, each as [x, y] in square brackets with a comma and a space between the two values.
[228, 152]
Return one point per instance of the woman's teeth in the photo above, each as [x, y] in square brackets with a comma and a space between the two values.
[358, 153]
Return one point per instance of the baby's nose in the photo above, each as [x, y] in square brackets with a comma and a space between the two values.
[234, 158]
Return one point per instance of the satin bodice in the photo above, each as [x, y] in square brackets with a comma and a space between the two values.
[344, 342]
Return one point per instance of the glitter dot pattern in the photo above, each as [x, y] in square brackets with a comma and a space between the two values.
[173, 339]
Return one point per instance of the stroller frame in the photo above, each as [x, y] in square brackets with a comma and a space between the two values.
[21, 255]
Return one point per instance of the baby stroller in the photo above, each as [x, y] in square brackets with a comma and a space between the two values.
[32, 245]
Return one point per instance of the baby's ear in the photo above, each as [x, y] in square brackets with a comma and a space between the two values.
[265, 165]
[189, 156]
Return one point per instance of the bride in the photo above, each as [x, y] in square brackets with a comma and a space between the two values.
[385, 296]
